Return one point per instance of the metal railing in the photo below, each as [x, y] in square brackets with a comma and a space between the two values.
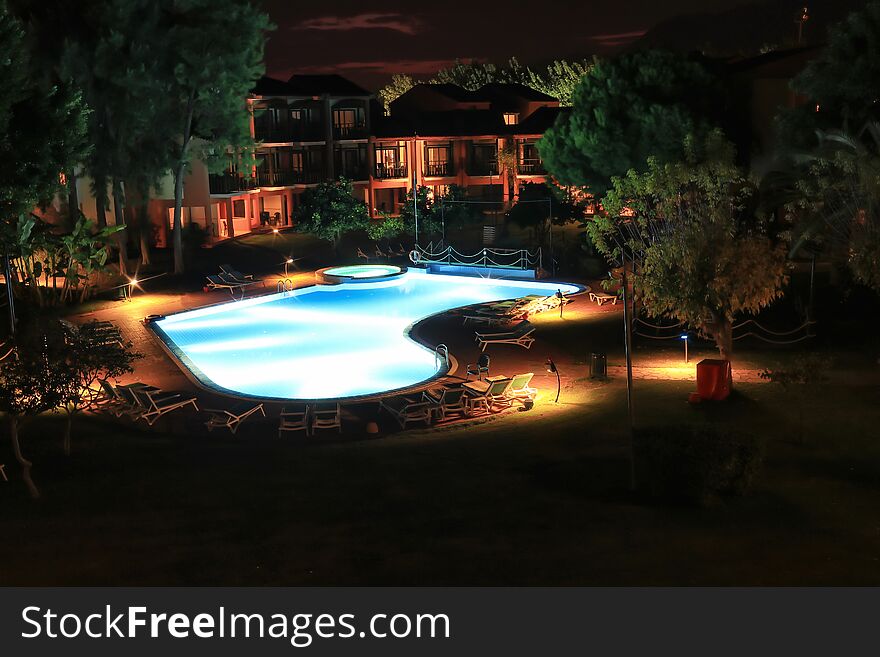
[385, 171]
[531, 167]
[483, 168]
[229, 183]
[488, 257]
[350, 131]
[439, 169]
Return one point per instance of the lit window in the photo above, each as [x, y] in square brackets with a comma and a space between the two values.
[511, 118]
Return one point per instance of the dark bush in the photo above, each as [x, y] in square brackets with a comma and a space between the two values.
[695, 463]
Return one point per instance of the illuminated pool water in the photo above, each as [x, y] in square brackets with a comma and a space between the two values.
[334, 341]
[363, 271]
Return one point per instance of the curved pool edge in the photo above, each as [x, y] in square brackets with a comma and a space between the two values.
[413, 332]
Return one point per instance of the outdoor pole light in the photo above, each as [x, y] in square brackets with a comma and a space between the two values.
[287, 263]
[132, 283]
[551, 367]
[684, 337]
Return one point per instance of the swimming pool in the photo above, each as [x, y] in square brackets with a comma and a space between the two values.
[327, 342]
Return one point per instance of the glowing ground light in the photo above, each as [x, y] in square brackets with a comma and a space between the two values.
[327, 341]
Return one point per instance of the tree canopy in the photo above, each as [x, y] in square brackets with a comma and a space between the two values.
[702, 254]
[840, 81]
[43, 127]
[558, 79]
[329, 210]
[626, 110]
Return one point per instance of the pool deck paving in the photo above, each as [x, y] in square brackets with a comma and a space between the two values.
[567, 339]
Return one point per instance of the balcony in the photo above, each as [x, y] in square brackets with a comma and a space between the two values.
[350, 131]
[531, 167]
[385, 171]
[439, 169]
[482, 168]
[229, 183]
[360, 172]
[288, 177]
[280, 133]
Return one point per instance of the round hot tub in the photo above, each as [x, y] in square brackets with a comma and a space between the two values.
[357, 274]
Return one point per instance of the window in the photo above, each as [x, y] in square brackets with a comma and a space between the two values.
[347, 121]
[438, 160]
[391, 160]
[511, 118]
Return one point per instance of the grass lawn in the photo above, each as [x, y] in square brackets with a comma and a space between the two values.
[529, 498]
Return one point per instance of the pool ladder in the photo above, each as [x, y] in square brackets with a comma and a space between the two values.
[285, 285]
[441, 354]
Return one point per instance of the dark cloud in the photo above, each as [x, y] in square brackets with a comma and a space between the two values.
[367, 21]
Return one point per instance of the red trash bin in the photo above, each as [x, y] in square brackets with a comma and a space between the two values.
[713, 379]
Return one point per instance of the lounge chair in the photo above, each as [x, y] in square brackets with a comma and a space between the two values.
[520, 391]
[326, 416]
[219, 282]
[401, 251]
[380, 253]
[294, 418]
[601, 298]
[109, 399]
[362, 255]
[157, 403]
[234, 273]
[232, 418]
[479, 368]
[445, 401]
[486, 395]
[521, 335]
[405, 409]
[131, 405]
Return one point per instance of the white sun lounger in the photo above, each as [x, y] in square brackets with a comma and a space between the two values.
[157, 403]
[231, 419]
[485, 395]
[406, 410]
[521, 335]
[326, 416]
[602, 298]
[519, 390]
[294, 418]
[446, 401]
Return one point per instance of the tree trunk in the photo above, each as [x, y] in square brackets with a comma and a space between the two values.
[101, 202]
[144, 232]
[122, 235]
[723, 335]
[68, 430]
[25, 464]
[72, 199]
[179, 172]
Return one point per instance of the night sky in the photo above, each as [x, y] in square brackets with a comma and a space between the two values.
[367, 41]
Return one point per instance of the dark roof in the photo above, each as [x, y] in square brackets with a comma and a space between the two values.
[308, 85]
[442, 124]
[494, 89]
[538, 121]
[463, 123]
[787, 62]
[316, 85]
[267, 86]
[453, 91]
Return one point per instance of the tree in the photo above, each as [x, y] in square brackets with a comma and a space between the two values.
[398, 86]
[90, 357]
[625, 110]
[561, 79]
[43, 129]
[702, 254]
[329, 210]
[214, 55]
[839, 80]
[31, 382]
[836, 200]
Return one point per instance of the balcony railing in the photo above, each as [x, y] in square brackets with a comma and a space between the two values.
[384, 171]
[229, 183]
[350, 131]
[483, 168]
[531, 167]
[353, 173]
[288, 177]
[437, 169]
[287, 133]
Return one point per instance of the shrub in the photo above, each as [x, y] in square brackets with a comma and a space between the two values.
[695, 463]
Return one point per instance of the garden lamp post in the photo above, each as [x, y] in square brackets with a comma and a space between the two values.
[10, 299]
[287, 264]
[684, 337]
[551, 367]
